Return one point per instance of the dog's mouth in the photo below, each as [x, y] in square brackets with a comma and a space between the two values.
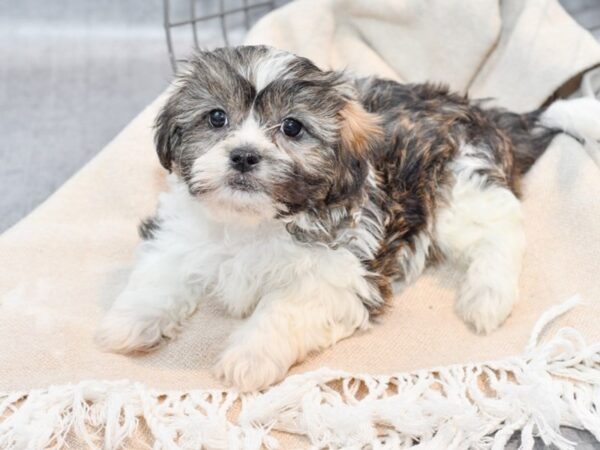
[244, 183]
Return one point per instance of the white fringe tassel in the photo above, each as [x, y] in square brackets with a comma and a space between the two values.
[480, 406]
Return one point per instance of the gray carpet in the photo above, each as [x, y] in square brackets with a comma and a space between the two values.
[73, 73]
[71, 77]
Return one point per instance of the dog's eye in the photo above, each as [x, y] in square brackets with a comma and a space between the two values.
[217, 118]
[291, 127]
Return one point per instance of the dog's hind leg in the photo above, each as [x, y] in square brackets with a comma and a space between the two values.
[482, 230]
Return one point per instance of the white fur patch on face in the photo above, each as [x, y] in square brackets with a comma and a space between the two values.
[229, 206]
[212, 170]
[251, 133]
[266, 70]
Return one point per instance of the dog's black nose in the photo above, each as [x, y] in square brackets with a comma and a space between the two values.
[244, 159]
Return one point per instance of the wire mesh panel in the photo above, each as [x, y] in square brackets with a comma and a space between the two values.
[208, 22]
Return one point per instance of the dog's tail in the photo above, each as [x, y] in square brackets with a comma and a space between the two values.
[532, 133]
[580, 119]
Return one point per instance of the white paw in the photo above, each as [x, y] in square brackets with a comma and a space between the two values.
[485, 308]
[131, 330]
[249, 369]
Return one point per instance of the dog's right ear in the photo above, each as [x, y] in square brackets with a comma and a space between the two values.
[167, 136]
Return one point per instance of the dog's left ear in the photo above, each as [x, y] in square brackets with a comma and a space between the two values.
[360, 132]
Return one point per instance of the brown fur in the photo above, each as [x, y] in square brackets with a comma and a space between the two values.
[360, 130]
[405, 136]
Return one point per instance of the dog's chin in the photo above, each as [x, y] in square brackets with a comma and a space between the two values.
[240, 183]
[239, 201]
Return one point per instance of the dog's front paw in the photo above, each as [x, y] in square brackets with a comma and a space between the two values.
[130, 330]
[249, 369]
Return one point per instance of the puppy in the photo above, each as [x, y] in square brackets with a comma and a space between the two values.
[297, 196]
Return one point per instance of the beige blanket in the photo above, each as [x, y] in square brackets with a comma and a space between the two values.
[63, 265]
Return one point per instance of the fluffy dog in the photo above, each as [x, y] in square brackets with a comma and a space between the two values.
[298, 196]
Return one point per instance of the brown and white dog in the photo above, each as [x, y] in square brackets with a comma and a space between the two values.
[297, 196]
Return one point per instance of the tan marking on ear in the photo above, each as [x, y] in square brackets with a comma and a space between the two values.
[360, 128]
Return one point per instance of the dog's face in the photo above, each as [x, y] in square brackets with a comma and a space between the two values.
[259, 133]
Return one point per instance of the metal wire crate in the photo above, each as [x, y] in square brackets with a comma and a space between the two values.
[197, 15]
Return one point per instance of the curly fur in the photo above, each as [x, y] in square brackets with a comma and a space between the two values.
[383, 180]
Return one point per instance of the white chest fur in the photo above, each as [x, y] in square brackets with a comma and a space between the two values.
[238, 264]
[300, 297]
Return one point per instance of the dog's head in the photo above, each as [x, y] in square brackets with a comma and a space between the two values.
[259, 133]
